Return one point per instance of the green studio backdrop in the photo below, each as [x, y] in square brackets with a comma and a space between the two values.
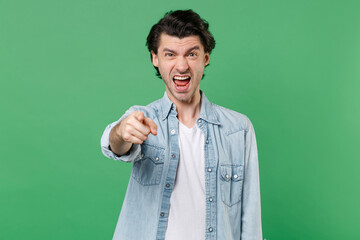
[68, 68]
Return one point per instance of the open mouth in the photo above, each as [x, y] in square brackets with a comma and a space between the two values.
[181, 83]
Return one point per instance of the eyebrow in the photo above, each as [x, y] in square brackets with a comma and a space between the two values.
[193, 48]
[187, 51]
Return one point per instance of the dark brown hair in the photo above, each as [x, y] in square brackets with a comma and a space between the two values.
[180, 23]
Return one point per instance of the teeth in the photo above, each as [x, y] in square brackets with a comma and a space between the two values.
[181, 78]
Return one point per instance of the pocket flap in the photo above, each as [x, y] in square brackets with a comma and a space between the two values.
[226, 172]
[236, 173]
[155, 154]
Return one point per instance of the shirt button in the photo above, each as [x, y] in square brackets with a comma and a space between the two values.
[173, 156]
[235, 176]
[226, 176]
[156, 159]
[199, 121]
[209, 169]
[142, 155]
[168, 185]
[207, 141]
[162, 214]
[211, 199]
[172, 131]
[210, 229]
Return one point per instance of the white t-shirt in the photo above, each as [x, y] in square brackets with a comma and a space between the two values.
[187, 202]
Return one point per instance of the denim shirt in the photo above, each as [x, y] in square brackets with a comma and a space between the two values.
[231, 174]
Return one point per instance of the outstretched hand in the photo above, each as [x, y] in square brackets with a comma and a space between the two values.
[137, 127]
[134, 129]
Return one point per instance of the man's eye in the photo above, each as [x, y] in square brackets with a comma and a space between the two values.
[192, 54]
[169, 54]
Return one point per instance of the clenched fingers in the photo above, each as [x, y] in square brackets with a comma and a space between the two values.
[129, 133]
[138, 125]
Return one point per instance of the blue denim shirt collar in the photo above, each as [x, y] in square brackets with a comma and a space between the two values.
[207, 112]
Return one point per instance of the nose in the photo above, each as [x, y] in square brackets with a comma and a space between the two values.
[182, 65]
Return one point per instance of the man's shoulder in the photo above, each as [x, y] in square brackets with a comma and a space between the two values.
[231, 120]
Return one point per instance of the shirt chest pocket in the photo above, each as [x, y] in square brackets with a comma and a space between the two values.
[231, 183]
[148, 170]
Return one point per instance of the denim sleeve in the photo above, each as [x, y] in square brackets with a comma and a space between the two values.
[251, 210]
[134, 153]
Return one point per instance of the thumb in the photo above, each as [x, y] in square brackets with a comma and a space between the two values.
[151, 124]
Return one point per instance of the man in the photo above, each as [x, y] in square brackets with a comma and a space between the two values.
[195, 168]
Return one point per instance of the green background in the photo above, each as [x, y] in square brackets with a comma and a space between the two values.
[68, 68]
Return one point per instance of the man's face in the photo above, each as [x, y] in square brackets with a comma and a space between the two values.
[181, 63]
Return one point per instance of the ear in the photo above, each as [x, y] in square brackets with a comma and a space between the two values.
[154, 58]
[207, 59]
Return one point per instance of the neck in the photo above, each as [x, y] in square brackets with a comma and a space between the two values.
[188, 112]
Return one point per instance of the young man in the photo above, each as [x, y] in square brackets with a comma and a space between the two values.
[195, 167]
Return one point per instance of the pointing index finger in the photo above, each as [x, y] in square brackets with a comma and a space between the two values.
[151, 124]
[140, 116]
